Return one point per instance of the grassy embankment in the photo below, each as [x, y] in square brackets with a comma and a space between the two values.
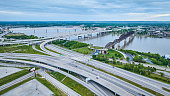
[13, 76]
[84, 50]
[38, 47]
[56, 91]
[14, 86]
[19, 36]
[74, 45]
[111, 54]
[53, 51]
[19, 49]
[72, 84]
[28, 49]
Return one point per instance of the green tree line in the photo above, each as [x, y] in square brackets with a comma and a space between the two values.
[70, 44]
[22, 37]
[155, 58]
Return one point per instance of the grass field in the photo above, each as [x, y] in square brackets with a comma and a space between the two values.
[8, 49]
[38, 47]
[77, 87]
[159, 78]
[56, 91]
[72, 84]
[114, 53]
[28, 49]
[53, 51]
[58, 76]
[165, 89]
[84, 50]
[19, 49]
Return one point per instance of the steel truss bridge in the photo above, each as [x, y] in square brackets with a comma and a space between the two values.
[116, 41]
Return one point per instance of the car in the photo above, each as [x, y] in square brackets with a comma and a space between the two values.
[97, 77]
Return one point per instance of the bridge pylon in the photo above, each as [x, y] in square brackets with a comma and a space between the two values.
[113, 47]
[125, 41]
[119, 46]
[87, 79]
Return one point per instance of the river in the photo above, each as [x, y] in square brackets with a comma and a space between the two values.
[139, 43]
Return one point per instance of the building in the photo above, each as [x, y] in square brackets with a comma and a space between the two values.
[140, 30]
[109, 27]
[166, 34]
[117, 29]
[167, 57]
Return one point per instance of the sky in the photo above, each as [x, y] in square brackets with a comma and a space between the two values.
[85, 10]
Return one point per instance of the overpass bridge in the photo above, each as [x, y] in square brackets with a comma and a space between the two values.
[116, 41]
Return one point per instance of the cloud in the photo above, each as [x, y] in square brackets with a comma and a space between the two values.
[161, 3]
[160, 15]
[11, 12]
[136, 14]
[84, 9]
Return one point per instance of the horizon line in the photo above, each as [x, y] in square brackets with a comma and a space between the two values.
[78, 20]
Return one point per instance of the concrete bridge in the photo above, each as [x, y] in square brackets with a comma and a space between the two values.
[98, 33]
[116, 41]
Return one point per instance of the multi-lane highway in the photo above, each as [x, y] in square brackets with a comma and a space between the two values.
[108, 81]
[96, 91]
[144, 81]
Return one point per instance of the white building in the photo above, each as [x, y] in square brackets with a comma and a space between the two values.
[167, 56]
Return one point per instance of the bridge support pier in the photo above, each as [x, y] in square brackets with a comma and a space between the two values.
[129, 38]
[119, 46]
[121, 38]
[97, 34]
[125, 41]
[89, 35]
[79, 37]
[113, 47]
[85, 36]
[87, 79]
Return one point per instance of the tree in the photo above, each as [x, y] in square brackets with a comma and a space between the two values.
[127, 58]
[162, 74]
[118, 62]
[114, 62]
[94, 56]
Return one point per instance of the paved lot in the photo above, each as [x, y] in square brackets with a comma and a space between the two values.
[5, 71]
[14, 65]
[29, 89]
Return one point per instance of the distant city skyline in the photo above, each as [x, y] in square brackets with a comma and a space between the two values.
[85, 10]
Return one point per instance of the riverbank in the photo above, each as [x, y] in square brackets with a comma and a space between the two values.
[139, 43]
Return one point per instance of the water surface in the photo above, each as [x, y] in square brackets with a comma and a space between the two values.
[139, 43]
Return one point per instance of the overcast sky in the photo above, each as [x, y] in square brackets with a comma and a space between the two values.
[85, 10]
